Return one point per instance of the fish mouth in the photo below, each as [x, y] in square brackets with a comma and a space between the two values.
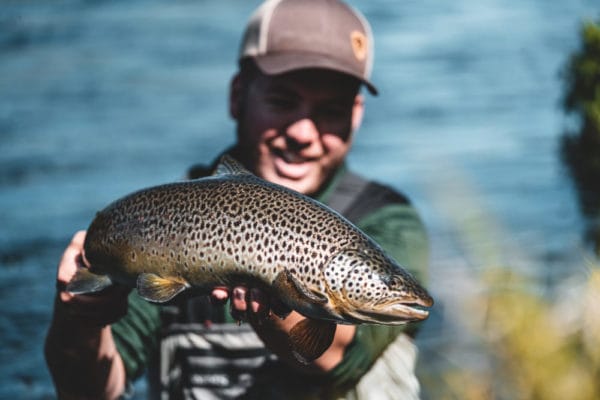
[394, 313]
[413, 311]
[417, 308]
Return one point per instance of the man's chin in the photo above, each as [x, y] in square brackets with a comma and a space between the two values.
[301, 177]
[306, 185]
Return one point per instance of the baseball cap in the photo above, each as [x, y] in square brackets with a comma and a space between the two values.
[286, 35]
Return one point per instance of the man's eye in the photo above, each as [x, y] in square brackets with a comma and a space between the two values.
[334, 111]
[283, 103]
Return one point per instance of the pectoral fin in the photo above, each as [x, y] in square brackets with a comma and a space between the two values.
[85, 281]
[156, 289]
[294, 290]
[310, 338]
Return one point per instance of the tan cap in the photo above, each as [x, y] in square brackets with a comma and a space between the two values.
[286, 35]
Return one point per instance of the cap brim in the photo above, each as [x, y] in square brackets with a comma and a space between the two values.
[274, 64]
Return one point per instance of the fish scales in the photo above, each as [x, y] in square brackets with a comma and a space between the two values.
[202, 230]
[236, 229]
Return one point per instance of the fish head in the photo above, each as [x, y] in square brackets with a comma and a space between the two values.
[367, 286]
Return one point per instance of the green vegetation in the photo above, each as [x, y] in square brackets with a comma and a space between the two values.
[538, 349]
[514, 337]
[581, 149]
[529, 342]
[544, 349]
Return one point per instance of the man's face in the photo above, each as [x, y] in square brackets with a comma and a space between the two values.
[296, 128]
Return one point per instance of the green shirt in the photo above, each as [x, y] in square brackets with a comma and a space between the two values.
[396, 227]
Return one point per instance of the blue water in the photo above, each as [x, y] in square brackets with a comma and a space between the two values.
[99, 98]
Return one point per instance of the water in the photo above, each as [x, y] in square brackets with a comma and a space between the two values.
[99, 98]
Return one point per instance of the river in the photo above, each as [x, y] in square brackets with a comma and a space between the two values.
[99, 98]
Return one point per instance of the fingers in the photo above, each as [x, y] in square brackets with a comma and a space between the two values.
[238, 303]
[259, 306]
[220, 295]
[259, 302]
[71, 259]
[245, 304]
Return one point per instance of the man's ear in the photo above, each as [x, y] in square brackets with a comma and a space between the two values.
[235, 97]
[358, 110]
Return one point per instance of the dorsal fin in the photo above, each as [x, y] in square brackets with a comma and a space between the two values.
[230, 166]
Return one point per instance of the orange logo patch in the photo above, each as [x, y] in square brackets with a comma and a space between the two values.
[359, 45]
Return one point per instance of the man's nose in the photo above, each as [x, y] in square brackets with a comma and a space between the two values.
[303, 132]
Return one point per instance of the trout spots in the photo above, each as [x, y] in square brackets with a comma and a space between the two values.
[241, 224]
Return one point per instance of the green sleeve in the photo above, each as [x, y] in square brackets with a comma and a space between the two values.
[136, 335]
[399, 231]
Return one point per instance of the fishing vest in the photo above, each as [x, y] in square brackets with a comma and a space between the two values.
[201, 356]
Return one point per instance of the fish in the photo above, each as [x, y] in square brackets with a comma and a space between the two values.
[234, 228]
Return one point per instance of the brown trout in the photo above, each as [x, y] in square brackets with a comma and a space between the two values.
[234, 228]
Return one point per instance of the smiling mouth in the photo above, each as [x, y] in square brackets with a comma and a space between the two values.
[290, 165]
[290, 157]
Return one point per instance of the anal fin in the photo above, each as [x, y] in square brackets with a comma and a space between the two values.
[310, 338]
[157, 289]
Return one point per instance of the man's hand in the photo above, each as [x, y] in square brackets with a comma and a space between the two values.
[254, 306]
[246, 305]
[98, 309]
[80, 351]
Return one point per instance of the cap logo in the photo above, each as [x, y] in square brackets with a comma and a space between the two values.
[359, 45]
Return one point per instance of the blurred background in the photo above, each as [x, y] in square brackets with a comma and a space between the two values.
[485, 118]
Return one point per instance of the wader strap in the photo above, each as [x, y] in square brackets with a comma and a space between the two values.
[346, 192]
[355, 197]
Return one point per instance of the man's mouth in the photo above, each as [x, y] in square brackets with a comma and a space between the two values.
[290, 157]
[291, 165]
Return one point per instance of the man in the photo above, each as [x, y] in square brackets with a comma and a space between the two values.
[297, 104]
